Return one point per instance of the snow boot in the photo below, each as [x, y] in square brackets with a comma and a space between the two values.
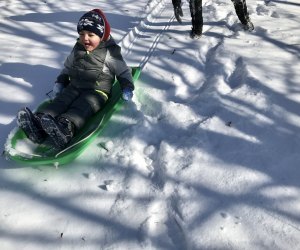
[195, 34]
[177, 10]
[248, 26]
[31, 125]
[197, 19]
[60, 130]
[242, 13]
[178, 13]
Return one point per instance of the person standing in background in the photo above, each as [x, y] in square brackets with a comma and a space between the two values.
[197, 19]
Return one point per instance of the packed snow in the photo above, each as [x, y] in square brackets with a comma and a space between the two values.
[206, 156]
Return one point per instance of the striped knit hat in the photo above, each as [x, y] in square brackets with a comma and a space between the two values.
[96, 22]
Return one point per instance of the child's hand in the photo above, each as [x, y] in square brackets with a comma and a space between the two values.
[127, 94]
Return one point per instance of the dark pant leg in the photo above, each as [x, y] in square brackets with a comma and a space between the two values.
[196, 14]
[240, 7]
[62, 102]
[176, 3]
[87, 104]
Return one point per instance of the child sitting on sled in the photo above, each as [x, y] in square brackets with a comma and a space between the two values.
[83, 86]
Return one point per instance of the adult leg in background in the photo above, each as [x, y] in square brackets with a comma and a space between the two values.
[242, 13]
[177, 10]
[197, 19]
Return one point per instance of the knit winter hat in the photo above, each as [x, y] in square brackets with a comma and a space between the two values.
[96, 22]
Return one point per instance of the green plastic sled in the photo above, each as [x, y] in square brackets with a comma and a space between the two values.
[45, 155]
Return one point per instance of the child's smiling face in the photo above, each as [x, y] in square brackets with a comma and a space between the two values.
[89, 40]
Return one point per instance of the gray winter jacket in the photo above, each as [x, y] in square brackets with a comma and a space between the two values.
[97, 69]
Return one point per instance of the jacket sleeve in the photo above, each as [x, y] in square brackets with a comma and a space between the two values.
[64, 76]
[115, 63]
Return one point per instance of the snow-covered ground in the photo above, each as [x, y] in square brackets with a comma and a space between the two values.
[207, 154]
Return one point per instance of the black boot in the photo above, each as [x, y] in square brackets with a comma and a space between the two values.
[197, 19]
[195, 33]
[242, 13]
[248, 26]
[177, 10]
[178, 13]
[31, 125]
[60, 130]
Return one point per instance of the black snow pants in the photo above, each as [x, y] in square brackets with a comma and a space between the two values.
[196, 13]
[240, 7]
[77, 105]
[241, 11]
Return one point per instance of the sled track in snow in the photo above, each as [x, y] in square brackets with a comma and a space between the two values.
[167, 221]
[131, 40]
